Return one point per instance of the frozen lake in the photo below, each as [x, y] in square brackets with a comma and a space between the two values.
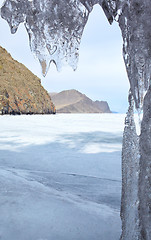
[60, 177]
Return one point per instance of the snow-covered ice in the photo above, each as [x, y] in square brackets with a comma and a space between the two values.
[60, 177]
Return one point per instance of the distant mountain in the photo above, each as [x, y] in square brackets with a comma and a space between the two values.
[103, 105]
[72, 101]
[21, 91]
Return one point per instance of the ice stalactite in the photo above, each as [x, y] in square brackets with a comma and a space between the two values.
[55, 29]
[130, 172]
[145, 170]
[134, 22]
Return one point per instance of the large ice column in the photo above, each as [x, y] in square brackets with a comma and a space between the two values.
[145, 170]
[135, 23]
[130, 171]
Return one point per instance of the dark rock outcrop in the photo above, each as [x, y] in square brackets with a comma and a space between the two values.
[72, 101]
[21, 91]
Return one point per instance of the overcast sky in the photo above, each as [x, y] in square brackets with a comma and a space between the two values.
[101, 73]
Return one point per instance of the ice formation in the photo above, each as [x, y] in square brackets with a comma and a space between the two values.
[134, 21]
[55, 29]
[130, 169]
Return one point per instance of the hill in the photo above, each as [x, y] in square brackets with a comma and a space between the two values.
[21, 91]
[72, 101]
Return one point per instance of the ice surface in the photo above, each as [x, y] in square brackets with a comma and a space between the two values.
[51, 188]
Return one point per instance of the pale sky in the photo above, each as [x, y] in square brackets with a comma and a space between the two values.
[101, 73]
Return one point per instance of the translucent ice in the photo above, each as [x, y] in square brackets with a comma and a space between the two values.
[130, 170]
[54, 28]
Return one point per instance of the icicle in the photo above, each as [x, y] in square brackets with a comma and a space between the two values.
[130, 169]
[54, 27]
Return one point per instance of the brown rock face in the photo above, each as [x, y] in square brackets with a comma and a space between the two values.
[20, 90]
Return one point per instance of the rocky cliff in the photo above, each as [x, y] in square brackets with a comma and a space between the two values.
[20, 90]
[72, 101]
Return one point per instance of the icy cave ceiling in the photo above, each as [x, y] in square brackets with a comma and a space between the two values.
[54, 27]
